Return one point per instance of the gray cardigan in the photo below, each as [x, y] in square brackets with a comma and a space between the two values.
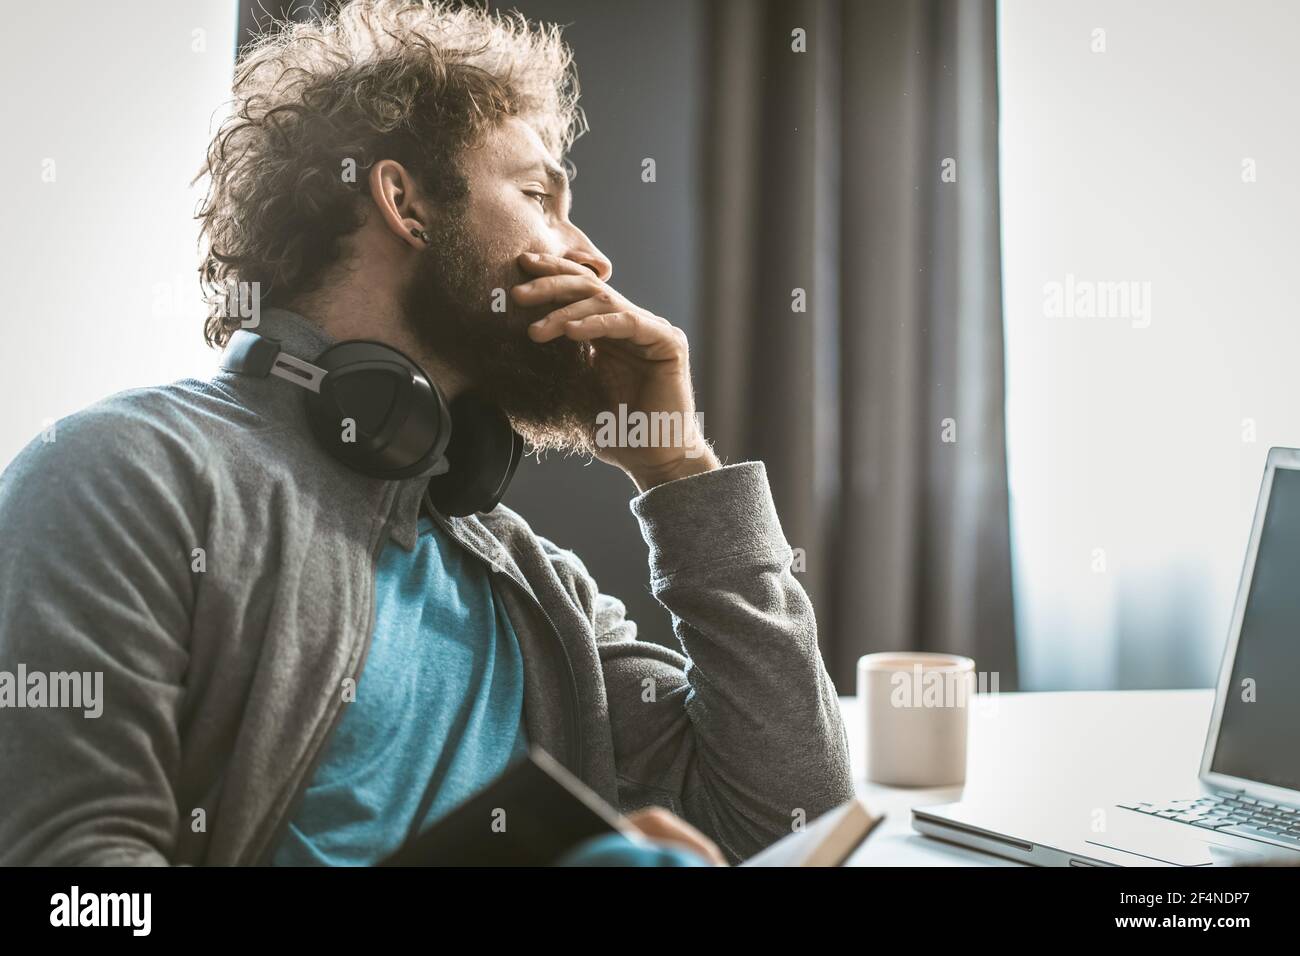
[224, 668]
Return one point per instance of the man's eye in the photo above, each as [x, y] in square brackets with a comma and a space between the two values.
[540, 197]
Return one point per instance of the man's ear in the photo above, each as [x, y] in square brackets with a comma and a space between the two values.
[396, 196]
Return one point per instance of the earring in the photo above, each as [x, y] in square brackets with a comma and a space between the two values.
[422, 234]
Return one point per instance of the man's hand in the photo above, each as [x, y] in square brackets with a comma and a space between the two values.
[642, 358]
[663, 826]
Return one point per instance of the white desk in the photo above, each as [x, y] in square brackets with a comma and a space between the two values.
[1086, 747]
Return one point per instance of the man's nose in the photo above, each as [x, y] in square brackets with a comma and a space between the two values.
[585, 253]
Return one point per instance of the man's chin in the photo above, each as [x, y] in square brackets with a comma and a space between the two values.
[554, 411]
[543, 437]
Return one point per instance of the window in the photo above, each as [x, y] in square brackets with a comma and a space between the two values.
[1150, 191]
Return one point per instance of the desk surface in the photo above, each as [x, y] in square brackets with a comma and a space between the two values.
[1089, 747]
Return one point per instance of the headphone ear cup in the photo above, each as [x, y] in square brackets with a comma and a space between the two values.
[484, 453]
[377, 412]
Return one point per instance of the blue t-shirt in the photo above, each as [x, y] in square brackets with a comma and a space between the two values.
[438, 715]
[438, 711]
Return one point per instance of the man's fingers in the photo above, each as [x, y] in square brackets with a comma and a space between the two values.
[561, 289]
[656, 337]
[552, 325]
[649, 332]
[615, 325]
[662, 825]
[542, 264]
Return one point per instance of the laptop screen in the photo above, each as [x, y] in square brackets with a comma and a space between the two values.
[1261, 713]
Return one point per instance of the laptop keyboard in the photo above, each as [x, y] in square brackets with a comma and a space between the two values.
[1232, 814]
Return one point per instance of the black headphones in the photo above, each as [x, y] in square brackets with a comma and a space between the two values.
[376, 411]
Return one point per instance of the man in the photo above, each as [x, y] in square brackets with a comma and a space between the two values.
[304, 664]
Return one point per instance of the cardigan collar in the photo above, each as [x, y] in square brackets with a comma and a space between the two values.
[302, 338]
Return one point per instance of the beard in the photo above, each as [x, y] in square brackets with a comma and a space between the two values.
[550, 391]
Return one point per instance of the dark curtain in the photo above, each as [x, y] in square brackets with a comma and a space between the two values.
[863, 172]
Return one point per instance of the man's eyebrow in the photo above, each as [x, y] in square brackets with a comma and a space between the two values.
[557, 176]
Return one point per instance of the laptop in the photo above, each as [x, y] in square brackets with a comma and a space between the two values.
[1248, 808]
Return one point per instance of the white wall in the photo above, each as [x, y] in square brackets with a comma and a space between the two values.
[98, 266]
[1125, 436]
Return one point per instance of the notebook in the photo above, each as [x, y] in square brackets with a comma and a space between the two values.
[536, 811]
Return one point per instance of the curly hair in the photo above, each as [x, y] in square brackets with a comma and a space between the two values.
[316, 104]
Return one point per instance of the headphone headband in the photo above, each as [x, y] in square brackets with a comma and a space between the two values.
[248, 353]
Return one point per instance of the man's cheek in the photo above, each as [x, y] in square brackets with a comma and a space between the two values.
[521, 316]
